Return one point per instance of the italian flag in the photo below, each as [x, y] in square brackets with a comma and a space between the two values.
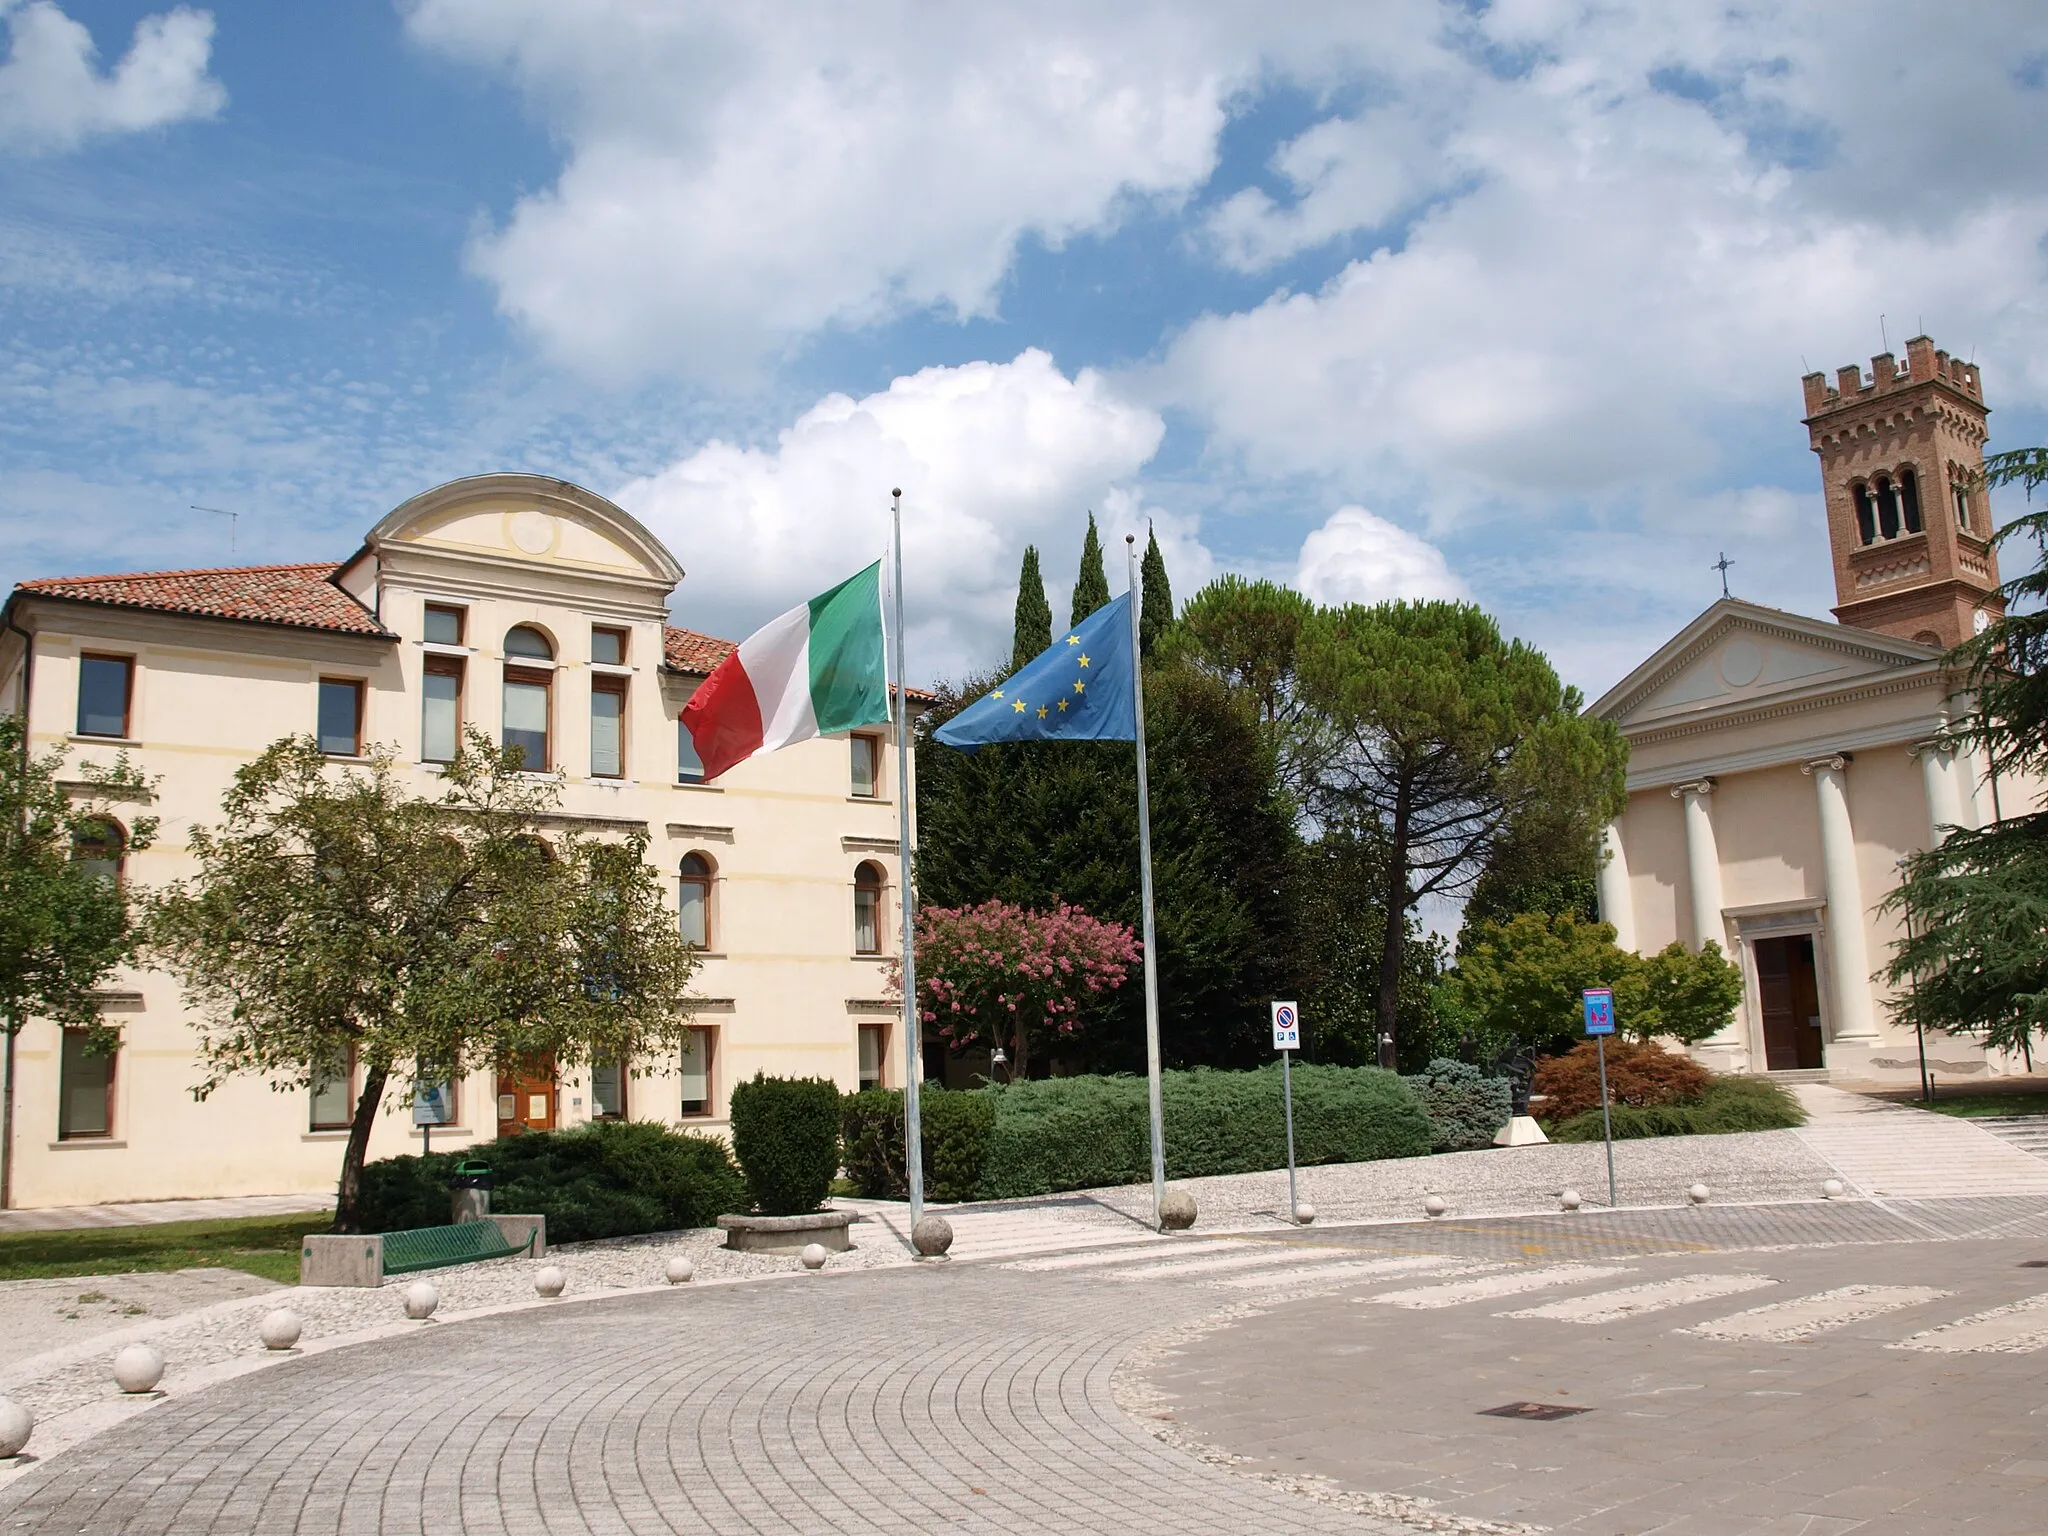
[816, 670]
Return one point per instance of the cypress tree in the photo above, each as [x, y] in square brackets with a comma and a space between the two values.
[1033, 629]
[1091, 587]
[1155, 608]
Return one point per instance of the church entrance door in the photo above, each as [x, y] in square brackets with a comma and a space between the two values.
[1788, 987]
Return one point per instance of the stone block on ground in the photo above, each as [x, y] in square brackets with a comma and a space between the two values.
[355, 1259]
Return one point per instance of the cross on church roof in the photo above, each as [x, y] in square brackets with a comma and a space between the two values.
[1722, 565]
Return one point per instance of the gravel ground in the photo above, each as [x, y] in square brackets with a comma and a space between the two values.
[48, 1386]
[37, 1316]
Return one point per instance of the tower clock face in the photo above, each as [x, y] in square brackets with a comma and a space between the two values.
[1983, 621]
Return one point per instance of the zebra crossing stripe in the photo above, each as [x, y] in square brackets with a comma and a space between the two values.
[2013, 1329]
[1491, 1287]
[1363, 1269]
[1786, 1322]
[1273, 1256]
[1634, 1300]
[1149, 1249]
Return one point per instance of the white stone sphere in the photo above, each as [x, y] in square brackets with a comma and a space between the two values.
[1570, 1200]
[1176, 1210]
[681, 1268]
[813, 1256]
[16, 1425]
[421, 1298]
[1434, 1205]
[932, 1236]
[1831, 1189]
[1304, 1214]
[138, 1368]
[550, 1282]
[280, 1328]
[1697, 1194]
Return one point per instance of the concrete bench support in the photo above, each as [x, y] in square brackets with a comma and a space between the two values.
[515, 1229]
[326, 1259]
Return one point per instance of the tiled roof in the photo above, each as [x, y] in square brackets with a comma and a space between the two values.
[689, 651]
[302, 596]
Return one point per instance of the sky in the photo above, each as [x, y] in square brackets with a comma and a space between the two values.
[1504, 302]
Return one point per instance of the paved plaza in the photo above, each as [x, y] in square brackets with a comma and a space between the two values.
[1819, 1367]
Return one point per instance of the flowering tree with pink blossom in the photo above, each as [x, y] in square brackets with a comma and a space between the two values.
[1001, 975]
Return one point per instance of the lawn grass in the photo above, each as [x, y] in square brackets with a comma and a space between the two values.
[1971, 1106]
[261, 1245]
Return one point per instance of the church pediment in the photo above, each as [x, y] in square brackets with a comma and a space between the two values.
[1737, 656]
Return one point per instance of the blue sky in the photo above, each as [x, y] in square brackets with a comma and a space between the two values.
[1507, 301]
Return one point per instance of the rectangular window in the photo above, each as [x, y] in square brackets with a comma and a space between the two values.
[689, 766]
[608, 647]
[867, 766]
[341, 717]
[607, 1090]
[444, 625]
[441, 710]
[85, 1104]
[526, 716]
[334, 1097]
[105, 685]
[607, 727]
[698, 1048]
[871, 1038]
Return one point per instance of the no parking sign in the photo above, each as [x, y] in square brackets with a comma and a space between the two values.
[1286, 1027]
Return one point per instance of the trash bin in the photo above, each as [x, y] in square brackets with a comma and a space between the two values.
[470, 1192]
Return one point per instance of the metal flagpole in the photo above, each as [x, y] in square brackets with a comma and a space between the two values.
[913, 1030]
[1145, 881]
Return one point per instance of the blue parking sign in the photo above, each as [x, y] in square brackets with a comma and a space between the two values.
[1599, 1010]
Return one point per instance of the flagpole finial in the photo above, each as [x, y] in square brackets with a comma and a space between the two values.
[1130, 538]
[897, 491]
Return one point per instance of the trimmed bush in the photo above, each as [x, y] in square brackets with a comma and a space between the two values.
[602, 1180]
[1730, 1104]
[956, 1133]
[1639, 1074]
[1466, 1108]
[785, 1133]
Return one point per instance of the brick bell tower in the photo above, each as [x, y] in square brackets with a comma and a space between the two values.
[1910, 531]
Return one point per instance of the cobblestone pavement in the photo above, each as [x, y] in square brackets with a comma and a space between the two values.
[1821, 1369]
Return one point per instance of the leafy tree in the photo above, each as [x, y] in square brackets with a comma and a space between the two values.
[1248, 634]
[1517, 984]
[1155, 601]
[1002, 975]
[334, 910]
[1528, 873]
[1338, 886]
[1033, 629]
[64, 926]
[1975, 956]
[1447, 740]
[1091, 586]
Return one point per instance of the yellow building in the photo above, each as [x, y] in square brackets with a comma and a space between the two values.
[537, 611]
[1780, 767]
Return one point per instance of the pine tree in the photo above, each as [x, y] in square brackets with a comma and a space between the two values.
[1033, 630]
[1091, 587]
[1155, 609]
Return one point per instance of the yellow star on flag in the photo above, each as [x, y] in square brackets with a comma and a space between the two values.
[1073, 639]
[1084, 658]
[1018, 706]
[1080, 687]
[1063, 706]
[997, 694]
[1041, 711]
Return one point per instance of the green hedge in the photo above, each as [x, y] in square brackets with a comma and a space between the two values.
[1465, 1107]
[956, 1131]
[1729, 1104]
[603, 1180]
[785, 1133]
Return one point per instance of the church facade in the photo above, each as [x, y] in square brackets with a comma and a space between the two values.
[1781, 767]
[536, 611]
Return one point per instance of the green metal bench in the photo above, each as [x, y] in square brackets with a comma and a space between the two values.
[437, 1247]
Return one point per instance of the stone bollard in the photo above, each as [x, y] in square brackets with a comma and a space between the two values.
[1698, 1194]
[1832, 1189]
[1176, 1210]
[280, 1329]
[16, 1425]
[550, 1282]
[138, 1368]
[1434, 1206]
[931, 1237]
[1569, 1200]
[813, 1257]
[681, 1269]
[1304, 1214]
[421, 1298]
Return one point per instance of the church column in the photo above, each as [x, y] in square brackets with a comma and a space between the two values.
[1938, 778]
[1848, 949]
[1973, 796]
[1702, 863]
[1615, 905]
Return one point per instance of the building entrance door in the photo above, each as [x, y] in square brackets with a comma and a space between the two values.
[526, 1097]
[1788, 988]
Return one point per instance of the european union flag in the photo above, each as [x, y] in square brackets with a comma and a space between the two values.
[1078, 690]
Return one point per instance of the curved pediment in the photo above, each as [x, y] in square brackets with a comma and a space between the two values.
[530, 519]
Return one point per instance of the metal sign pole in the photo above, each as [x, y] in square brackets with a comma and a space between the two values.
[1287, 1093]
[1606, 1119]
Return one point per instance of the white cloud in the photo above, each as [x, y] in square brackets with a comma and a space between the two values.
[53, 97]
[989, 456]
[1356, 557]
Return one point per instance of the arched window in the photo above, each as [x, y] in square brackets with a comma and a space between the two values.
[868, 882]
[1962, 495]
[1866, 513]
[525, 640]
[102, 850]
[1909, 496]
[529, 698]
[1887, 496]
[694, 904]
